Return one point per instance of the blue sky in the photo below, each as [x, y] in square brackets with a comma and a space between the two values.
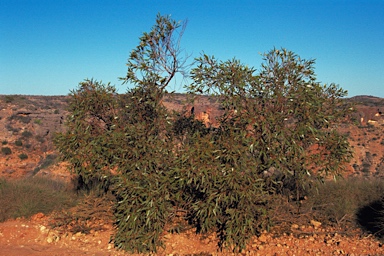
[48, 46]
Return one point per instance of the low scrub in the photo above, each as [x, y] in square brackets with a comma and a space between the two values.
[26, 197]
[92, 213]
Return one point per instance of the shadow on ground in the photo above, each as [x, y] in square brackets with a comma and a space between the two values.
[371, 218]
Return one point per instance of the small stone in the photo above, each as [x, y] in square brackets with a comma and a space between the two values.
[49, 240]
[294, 226]
[43, 229]
[263, 238]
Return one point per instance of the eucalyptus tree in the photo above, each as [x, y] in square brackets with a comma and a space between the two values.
[277, 130]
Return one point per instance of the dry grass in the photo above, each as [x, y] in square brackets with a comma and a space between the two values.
[26, 197]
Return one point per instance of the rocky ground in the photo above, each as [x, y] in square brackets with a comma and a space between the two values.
[34, 237]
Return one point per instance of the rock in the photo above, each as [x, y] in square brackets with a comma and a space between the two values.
[316, 224]
[37, 216]
[43, 229]
[49, 240]
[53, 237]
[294, 226]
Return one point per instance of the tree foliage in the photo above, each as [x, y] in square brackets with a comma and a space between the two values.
[157, 58]
[90, 126]
[289, 118]
[277, 131]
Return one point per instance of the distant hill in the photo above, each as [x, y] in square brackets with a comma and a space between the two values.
[370, 101]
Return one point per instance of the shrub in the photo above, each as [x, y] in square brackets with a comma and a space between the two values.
[25, 119]
[6, 151]
[27, 197]
[48, 161]
[37, 121]
[18, 143]
[26, 134]
[23, 156]
[4, 142]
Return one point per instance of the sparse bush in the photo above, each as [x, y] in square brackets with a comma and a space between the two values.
[18, 143]
[6, 151]
[40, 138]
[4, 142]
[37, 121]
[9, 98]
[26, 197]
[11, 128]
[22, 118]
